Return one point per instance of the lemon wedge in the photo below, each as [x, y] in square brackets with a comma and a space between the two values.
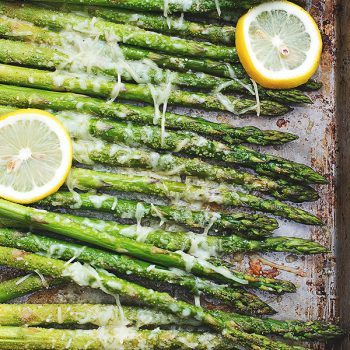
[279, 44]
[35, 155]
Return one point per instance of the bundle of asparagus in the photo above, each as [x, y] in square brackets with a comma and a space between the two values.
[85, 275]
[47, 314]
[50, 59]
[51, 54]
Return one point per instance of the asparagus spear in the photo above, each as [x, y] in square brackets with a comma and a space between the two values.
[201, 246]
[123, 265]
[202, 6]
[27, 97]
[289, 329]
[12, 338]
[173, 25]
[249, 225]
[90, 152]
[61, 224]
[41, 57]
[85, 275]
[89, 179]
[60, 81]
[92, 314]
[83, 126]
[23, 285]
[127, 34]
[23, 31]
[17, 315]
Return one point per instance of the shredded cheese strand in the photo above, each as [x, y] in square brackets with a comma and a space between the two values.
[256, 92]
[43, 280]
[21, 280]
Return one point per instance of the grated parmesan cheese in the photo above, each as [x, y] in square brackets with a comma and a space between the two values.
[21, 280]
[43, 280]
[256, 93]
[161, 95]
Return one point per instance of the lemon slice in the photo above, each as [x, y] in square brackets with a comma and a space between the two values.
[35, 155]
[279, 44]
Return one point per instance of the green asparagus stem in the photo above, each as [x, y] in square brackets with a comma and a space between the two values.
[88, 179]
[17, 30]
[12, 338]
[85, 126]
[289, 329]
[249, 225]
[91, 152]
[41, 57]
[202, 6]
[21, 286]
[93, 314]
[85, 275]
[27, 97]
[127, 34]
[47, 314]
[201, 246]
[184, 142]
[58, 223]
[217, 34]
[60, 81]
[87, 151]
[240, 300]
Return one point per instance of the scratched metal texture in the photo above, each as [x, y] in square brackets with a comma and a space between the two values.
[317, 126]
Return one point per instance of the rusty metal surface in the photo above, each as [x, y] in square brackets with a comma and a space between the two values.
[318, 125]
[343, 184]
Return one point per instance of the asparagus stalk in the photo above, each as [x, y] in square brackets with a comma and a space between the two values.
[85, 275]
[201, 246]
[249, 225]
[173, 25]
[59, 81]
[202, 6]
[87, 150]
[61, 224]
[12, 338]
[127, 34]
[47, 314]
[91, 152]
[20, 286]
[184, 142]
[22, 31]
[41, 57]
[216, 34]
[34, 315]
[123, 265]
[27, 97]
[90, 179]
[289, 329]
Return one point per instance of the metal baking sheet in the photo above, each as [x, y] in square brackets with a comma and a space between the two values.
[322, 127]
